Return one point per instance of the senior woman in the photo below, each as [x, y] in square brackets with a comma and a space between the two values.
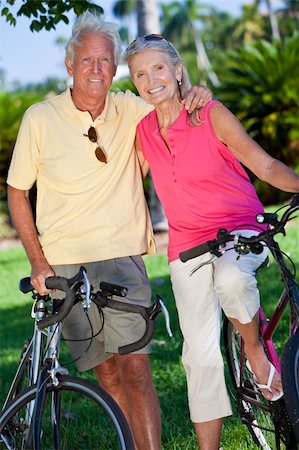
[196, 164]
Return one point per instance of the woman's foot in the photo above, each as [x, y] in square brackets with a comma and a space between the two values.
[266, 377]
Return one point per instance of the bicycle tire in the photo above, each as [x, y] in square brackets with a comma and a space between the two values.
[267, 422]
[290, 380]
[88, 418]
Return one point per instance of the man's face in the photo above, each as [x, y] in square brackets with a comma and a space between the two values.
[93, 67]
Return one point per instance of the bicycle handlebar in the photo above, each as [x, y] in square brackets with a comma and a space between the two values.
[100, 298]
[65, 285]
[147, 313]
[244, 244]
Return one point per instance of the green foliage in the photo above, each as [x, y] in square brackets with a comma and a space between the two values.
[123, 84]
[123, 7]
[12, 107]
[260, 84]
[47, 14]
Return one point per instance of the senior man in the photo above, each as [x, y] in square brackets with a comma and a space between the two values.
[79, 149]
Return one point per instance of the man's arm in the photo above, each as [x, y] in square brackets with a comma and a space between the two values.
[196, 98]
[21, 214]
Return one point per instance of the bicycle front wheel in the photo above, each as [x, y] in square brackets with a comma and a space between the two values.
[84, 417]
[267, 422]
[290, 380]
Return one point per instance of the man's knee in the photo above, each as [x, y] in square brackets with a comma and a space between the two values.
[108, 374]
[128, 369]
[135, 370]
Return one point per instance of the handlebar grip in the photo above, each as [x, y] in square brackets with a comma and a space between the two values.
[269, 218]
[142, 342]
[113, 289]
[195, 251]
[295, 200]
[25, 285]
[61, 284]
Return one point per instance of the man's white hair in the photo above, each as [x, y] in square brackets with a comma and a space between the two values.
[92, 22]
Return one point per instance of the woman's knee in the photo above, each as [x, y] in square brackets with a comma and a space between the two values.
[237, 292]
[226, 278]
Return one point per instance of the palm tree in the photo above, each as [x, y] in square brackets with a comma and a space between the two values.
[147, 17]
[260, 84]
[183, 21]
[147, 14]
[250, 25]
[272, 16]
[289, 17]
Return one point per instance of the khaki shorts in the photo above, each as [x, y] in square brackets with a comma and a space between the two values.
[111, 329]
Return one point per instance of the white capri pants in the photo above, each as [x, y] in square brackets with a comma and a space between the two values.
[228, 283]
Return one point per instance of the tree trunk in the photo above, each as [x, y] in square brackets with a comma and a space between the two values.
[203, 61]
[273, 20]
[147, 17]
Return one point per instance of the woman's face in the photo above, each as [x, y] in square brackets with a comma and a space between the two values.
[154, 76]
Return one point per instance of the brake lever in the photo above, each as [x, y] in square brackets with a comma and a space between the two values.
[165, 314]
[87, 289]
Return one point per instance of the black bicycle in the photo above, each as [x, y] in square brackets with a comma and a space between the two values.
[46, 408]
[271, 424]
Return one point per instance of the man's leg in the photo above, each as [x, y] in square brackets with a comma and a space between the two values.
[128, 380]
[208, 434]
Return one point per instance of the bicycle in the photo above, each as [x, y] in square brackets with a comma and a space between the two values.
[269, 423]
[55, 407]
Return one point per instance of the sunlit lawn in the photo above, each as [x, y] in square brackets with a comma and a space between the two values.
[168, 374]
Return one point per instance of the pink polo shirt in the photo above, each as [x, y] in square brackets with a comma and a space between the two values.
[200, 183]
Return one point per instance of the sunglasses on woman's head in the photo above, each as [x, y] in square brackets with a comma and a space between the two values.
[148, 37]
[93, 137]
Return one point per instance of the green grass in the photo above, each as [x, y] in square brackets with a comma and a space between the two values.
[168, 373]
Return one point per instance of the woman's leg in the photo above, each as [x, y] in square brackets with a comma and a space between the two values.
[236, 287]
[199, 316]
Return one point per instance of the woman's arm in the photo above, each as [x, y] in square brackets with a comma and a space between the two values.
[142, 161]
[230, 131]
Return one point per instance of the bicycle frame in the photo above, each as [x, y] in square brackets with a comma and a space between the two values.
[32, 355]
[267, 327]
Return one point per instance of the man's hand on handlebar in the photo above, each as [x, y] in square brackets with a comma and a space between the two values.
[39, 273]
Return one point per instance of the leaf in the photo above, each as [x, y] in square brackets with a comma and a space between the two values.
[10, 18]
[65, 19]
[4, 12]
[35, 25]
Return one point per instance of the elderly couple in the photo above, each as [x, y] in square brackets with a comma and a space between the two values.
[88, 149]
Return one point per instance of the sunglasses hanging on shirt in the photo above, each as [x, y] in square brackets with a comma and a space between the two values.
[93, 137]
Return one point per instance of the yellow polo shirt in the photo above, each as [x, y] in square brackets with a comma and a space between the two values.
[86, 210]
